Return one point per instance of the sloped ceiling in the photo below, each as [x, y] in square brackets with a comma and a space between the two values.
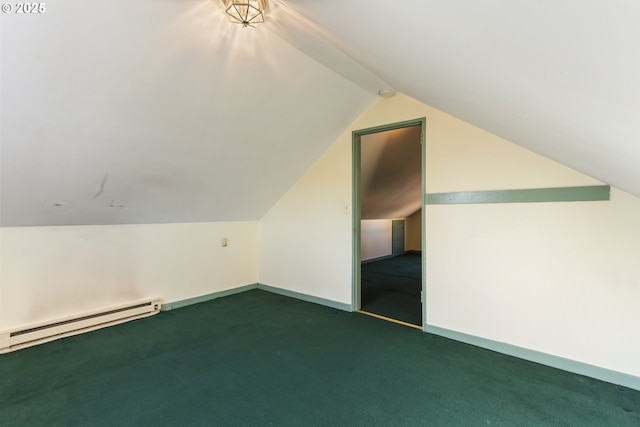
[161, 111]
[391, 173]
[561, 77]
[157, 111]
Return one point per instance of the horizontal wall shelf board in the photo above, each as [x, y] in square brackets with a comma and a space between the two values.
[532, 195]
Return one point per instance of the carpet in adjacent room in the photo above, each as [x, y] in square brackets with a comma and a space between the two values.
[391, 287]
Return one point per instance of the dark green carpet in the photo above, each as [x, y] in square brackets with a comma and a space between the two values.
[259, 359]
[391, 287]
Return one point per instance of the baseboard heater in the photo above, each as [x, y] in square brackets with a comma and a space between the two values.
[44, 332]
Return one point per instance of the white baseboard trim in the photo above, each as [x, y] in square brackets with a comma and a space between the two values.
[558, 362]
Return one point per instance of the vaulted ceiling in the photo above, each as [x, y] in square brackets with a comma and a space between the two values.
[161, 111]
[391, 173]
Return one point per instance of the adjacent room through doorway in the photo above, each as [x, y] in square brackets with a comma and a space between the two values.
[388, 180]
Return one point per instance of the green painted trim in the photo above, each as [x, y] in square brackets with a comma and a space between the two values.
[423, 243]
[391, 126]
[532, 195]
[190, 301]
[569, 365]
[356, 214]
[285, 292]
[356, 222]
[305, 297]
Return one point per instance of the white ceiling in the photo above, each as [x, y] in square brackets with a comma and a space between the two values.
[157, 111]
[161, 111]
[560, 77]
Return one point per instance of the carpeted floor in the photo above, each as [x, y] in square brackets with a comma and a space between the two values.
[391, 287]
[260, 359]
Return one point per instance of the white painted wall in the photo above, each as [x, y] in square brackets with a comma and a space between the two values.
[305, 238]
[375, 238]
[52, 272]
[560, 278]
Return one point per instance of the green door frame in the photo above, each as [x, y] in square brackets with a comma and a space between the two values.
[356, 301]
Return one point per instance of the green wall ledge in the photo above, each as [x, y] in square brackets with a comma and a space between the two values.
[531, 195]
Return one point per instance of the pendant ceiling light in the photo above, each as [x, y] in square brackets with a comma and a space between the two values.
[247, 13]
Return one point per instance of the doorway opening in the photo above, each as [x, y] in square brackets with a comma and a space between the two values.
[388, 222]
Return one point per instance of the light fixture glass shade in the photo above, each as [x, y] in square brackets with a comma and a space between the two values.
[247, 13]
